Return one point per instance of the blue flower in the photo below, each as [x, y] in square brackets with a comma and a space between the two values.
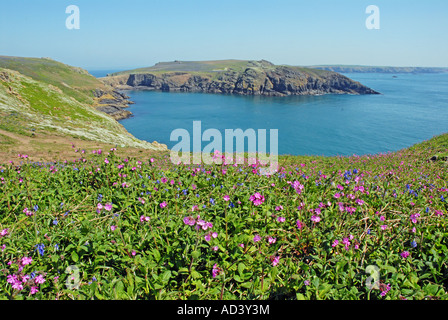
[55, 221]
[413, 244]
[36, 207]
[212, 201]
[40, 248]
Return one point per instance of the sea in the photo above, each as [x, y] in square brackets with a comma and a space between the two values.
[410, 109]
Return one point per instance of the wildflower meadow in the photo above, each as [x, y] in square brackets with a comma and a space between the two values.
[110, 227]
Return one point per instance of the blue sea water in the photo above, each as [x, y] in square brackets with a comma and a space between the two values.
[411, 108]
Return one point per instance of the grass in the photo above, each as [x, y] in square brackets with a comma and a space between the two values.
[29, 106]
[114, 226]
[73, 81]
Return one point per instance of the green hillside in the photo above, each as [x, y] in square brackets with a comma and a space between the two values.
[45, 96]
[73, 81]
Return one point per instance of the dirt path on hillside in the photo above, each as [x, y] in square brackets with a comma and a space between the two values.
[48, 147]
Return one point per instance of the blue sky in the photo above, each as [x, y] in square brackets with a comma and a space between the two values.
[136, 33]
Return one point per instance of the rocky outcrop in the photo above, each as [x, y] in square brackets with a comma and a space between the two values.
[258, 78]
[112, 102]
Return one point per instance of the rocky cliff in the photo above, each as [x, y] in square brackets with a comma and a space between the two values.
[253, 78]
[113, 103]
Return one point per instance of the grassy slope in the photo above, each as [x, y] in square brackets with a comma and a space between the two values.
[47, 97]
[73, 81]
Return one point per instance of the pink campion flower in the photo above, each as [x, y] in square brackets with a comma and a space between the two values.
[189, 221]
[39, 279]
[163, 204]
[207, 225]
[335, 243]
[215, 235]
[271, 240]
[4, 232]
[25, 278]
[315, 218]
[11, 279]
[337, 195]
[299, 224]
[241, 245]
[257, 199]
[144, 218]
[257, 238]
[207, 237]
[346, 242]
[34, 290]
[28, 212]
[133, 253]
[215, 248]
[17, 286]
[359, 202]
[106, 161]
[385, 290]
[26, 260]
[438, 213]
[108, 207]
[382, 218]
[278, 208]
[275, 260]
[414, 217]
[113, 228]
[404, 254]
[384, 227]
[215, 270]
[281, 219]
[151, 160]
[226, 198]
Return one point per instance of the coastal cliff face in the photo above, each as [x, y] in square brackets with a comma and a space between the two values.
[256, 78]
[113, 103]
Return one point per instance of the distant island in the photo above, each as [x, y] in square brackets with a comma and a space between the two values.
[243, 77]
[379, 69]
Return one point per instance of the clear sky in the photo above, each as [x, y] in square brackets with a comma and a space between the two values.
[121, 34]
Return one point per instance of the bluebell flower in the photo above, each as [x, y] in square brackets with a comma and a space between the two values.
[55, 221]
[36, 207]
[212, 201]
[40, 248]
[413, 244]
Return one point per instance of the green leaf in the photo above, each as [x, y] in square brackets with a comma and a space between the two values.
[75, 257]
[431, 289]
[241, 268]
[165, 277]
